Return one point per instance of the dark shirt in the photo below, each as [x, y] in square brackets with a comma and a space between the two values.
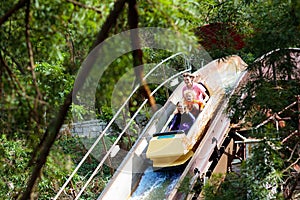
[182, 122]
[175, 122]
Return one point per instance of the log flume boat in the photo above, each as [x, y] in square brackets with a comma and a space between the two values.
[174, 148]
[158, 148]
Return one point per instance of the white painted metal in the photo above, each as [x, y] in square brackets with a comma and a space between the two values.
[217, 76]
[108, 127]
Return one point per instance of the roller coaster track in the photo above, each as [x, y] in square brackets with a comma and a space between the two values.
[221, 77]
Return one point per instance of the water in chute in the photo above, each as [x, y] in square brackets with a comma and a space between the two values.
[156, 184]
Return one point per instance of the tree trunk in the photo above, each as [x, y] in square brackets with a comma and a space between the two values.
[138, 53]
[53, 129]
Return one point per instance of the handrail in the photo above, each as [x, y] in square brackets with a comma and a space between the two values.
[121, 134]
[163, 61]
[111, 122]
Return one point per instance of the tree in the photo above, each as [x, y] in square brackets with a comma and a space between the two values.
[44, 43]
[272, 86]
[54, 38]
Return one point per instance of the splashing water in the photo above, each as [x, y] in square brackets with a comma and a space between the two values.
[156, 184]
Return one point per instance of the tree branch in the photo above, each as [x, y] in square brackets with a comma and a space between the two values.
[211, 8]
[293, 187]
[51, 134]
[293, 151]
[291, 165]
[27, 34]
[52, 130]
[70, 44]
[31, 62]
[298, 102]
[14, 61]
[14, 9]
[102, 35]
[274, 115]
[289, 136]
[76, 3]
[16, 82]
[111, 19]
[137, 53]
[11, 75]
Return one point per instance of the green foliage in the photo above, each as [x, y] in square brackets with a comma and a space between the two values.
[233, 187]
[61, 162]
[262, 171]
[177, 15]
[185, 185]
[261, 95]
[54, 83]
[61, 35]
[13, 169]
[274, 26]
[260, 176]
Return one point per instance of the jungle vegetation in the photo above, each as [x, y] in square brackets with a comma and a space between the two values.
[44, 43]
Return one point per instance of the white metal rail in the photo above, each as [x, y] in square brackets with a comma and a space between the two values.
[127, 126]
